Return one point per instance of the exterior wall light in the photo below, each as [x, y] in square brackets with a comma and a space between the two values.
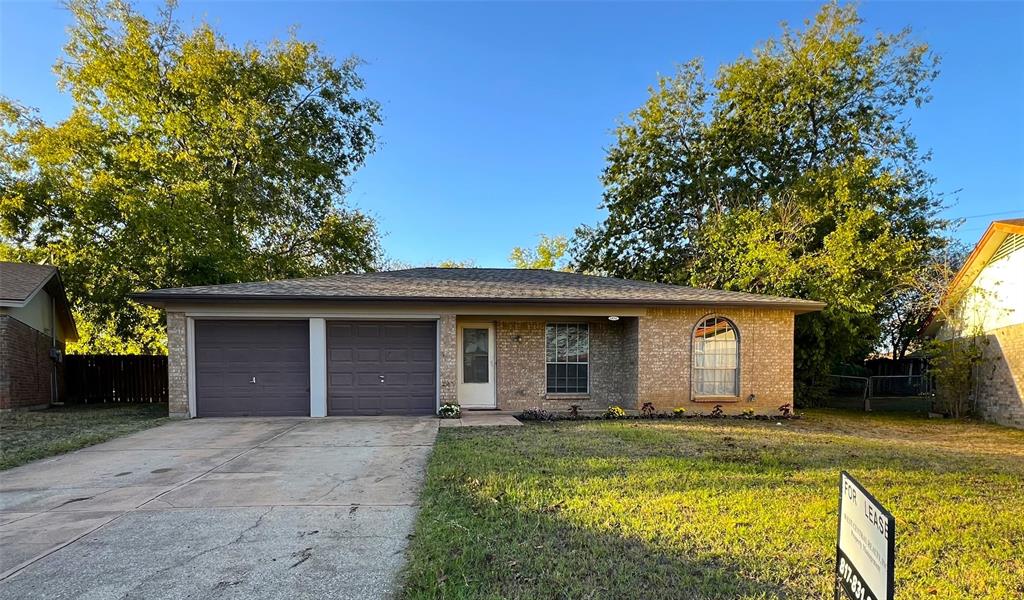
[613, 318]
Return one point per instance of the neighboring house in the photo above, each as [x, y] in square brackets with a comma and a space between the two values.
[987, 298]
[403, 342]
[35, 322]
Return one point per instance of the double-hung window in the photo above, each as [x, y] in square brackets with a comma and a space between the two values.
[568, 358]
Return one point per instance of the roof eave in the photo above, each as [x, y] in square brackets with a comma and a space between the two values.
[979, 256]
[161, 300]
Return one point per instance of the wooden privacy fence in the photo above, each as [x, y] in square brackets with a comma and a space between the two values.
[108, 378]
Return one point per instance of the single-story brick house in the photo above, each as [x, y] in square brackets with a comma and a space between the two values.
[404, 342]
[987, 297]
[35, 323]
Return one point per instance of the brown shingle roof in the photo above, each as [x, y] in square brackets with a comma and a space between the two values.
[472, 285]
[18, 281]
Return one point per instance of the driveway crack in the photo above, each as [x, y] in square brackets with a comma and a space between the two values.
[182, 563]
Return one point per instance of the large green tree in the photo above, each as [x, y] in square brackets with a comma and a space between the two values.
[550, 253]
[793, 172]
[185, 160]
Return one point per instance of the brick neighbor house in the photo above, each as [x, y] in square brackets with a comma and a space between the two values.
[989, 292]
[35, 323]
[404, 342]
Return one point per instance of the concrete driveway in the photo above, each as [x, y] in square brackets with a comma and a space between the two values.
[219, 508]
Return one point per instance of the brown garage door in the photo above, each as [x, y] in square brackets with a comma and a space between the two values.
[252, 368]
[381, 367]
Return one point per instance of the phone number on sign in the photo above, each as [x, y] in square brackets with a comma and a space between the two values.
[851, 582]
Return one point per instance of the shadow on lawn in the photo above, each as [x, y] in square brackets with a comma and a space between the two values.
[470, 547]
[701, 511]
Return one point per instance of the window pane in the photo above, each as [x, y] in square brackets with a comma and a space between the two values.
[567, 351]
[584, 355]
[475, 356]
[715, 358]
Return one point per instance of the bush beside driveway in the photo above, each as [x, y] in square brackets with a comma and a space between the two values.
[714, 508]
[30, 435]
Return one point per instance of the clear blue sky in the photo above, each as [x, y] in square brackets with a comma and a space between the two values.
[497, 115]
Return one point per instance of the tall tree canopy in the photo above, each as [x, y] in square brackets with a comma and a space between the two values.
[792, 172]
[185, 160]
[550, 253]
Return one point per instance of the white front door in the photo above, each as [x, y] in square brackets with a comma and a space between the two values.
[476, 365]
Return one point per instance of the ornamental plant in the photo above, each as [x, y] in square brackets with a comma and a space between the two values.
[449, 410]
[614, 412]
[536, 414]
[679, 412]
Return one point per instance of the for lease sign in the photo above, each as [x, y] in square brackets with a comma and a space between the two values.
[867, 545]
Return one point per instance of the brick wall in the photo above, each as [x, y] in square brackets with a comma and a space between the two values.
[521, 367]
[519, 349]
[630, 361]
[177, 365]
[766, 358]
[449, 355]
[26, 369]
[612, 367]
[647, 359]
[1000, 396]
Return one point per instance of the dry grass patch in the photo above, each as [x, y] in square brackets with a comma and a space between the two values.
[30, 435]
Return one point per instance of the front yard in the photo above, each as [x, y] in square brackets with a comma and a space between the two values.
[714, 508]
[30, 435]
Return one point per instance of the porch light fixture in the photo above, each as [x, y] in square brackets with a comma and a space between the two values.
[613, 318]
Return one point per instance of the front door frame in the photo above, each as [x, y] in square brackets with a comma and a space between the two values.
[477, 397]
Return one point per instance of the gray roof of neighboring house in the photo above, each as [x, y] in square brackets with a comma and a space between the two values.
[472, 285]
[20, 282]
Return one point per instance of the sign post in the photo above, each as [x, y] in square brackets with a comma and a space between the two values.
[866, 549]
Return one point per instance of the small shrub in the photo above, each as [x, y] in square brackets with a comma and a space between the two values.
[647, 409]
[536, 414]
[748, 413]
[574, 411]
[679, 413]
[614, 412]
[449, 411]
[717, 412]
[786, 410]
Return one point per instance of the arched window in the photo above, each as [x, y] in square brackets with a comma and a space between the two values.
[716, 357]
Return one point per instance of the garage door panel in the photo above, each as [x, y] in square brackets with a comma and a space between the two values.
[368, 355]
[359, 353]
[396, 355]
[336, 380]
[339, 354]
[422, 379]
[230, 353]
[422, 356]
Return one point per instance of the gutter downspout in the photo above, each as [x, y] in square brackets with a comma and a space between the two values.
[54, 378]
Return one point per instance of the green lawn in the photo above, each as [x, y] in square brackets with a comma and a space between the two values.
[30, 435]
[714, 509]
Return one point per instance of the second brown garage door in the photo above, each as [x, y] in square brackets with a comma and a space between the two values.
[381, 367]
